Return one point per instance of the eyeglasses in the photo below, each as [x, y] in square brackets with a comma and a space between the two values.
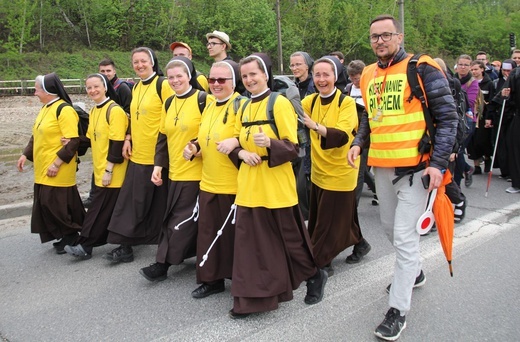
[295, 65]
[220, 80]
[212, 44]
[385, 36]
[463, 65]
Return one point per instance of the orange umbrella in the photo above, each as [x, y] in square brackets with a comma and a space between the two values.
[445, 218]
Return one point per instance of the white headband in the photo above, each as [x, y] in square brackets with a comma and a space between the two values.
[104, 81]
[263, 64]
[335, 68]
[232, 73]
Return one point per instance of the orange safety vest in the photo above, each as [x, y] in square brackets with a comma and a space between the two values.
[394, 140]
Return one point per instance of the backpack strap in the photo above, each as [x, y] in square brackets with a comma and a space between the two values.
[168, 102]
[340, 101]
[202, 100]
[314, 101]
[158, 86]
[270, 112]
[413, 81]
[348, 89]
[112, 105]
[60, 107]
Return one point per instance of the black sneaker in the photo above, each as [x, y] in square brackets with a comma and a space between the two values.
[121, 253]
[375, 200]
[419, 281]
[392, 326]
[155, 272]
[316, 287]
[358, 252]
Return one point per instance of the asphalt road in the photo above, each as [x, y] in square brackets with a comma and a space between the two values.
[49, 297]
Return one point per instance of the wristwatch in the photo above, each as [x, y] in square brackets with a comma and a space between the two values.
[317, 126]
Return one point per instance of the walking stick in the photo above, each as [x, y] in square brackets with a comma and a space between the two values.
[495, 148]
[219, 233]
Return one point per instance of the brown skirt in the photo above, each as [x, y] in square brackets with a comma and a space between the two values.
[214, 209]
[332, 223]
[140, 207]
[272, 257]
[175, 245]
[56, 212]
[94, 232]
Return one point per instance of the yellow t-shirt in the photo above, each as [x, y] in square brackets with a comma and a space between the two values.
[100, 132]
[330, 169]
[219, 175]
[260, 185]
[145, 109]
[47, 132]
[180, 125]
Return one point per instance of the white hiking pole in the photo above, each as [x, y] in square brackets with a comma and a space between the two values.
[219, 233]
[495, 148]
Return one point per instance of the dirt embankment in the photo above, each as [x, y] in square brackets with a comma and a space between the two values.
[17, 115]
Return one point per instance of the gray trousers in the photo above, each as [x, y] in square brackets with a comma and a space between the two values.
[400, 207]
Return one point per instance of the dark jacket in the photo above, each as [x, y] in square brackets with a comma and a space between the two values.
[488, 90]
[442, 108]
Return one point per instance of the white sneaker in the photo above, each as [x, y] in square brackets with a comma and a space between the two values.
[513, 190]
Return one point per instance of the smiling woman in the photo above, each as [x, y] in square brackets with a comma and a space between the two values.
[179, 125]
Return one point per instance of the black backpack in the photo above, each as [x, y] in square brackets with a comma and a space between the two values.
[82, 123]
[462, 103]
[460, 96]
[201, 99]
[284, 86]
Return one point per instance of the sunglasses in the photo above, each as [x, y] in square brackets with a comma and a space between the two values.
[220, 80]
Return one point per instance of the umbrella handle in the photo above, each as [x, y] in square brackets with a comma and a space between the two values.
[427, 219]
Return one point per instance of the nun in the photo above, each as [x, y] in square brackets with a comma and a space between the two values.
[218, 185]
[106, 133]
[332, 119]
[272, 253]
[57, 212]
[140, 207]
[180, 122]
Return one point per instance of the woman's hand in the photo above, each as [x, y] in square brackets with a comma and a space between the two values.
[261, 139]
[157, 175]
[352, 155]
[227, 146]
[64, 141]
[107, 178]
[250, 158]
[21, 163]
[127, 148]
[190, 151]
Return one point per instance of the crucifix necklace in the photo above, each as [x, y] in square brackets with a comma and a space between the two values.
[95, 126]
[43, 116]
[177, 112]
[251, 118]
[212, 122]
[141, 98]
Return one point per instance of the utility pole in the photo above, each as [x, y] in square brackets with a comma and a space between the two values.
[401, 17]
[279, 30]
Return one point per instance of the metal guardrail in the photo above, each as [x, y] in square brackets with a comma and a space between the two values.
[26, 87]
